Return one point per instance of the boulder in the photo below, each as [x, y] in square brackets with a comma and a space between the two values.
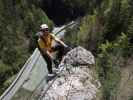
[75, 82]
[78, 56]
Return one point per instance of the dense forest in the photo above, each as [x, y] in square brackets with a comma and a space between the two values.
[107, 32]
[19, 21]
[105, 27]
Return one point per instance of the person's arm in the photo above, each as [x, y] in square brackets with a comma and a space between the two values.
[58, 40]
[47, 52]
[61, 42]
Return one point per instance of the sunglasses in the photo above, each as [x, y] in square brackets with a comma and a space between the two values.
[45, 30]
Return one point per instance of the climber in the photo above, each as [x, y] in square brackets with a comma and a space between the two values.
[44, 43]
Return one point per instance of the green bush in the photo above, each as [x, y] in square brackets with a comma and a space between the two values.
[108, 70]
[110, 59]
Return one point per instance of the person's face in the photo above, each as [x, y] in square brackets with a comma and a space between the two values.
[45, 31]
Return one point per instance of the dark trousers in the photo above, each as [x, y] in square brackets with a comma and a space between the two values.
[61, 51]
[48, 59]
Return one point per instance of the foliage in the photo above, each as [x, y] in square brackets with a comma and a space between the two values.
[108, 32]
[108, 66]
[130, 31]
[87, 33]
[20, 20]
[109, 61]
[62, 11]
[131, 98]
[116, 20]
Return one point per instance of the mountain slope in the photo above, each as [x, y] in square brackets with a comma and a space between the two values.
[19, 21]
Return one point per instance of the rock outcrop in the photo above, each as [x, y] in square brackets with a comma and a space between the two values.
[77, 80]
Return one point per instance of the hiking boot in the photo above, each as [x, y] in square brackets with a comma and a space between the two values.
[50, 77]
[61, 67]
[56, 63]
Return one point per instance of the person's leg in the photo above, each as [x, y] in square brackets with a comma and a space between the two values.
[49, 62]
[60, 50]
[47, 59]
[50, 75]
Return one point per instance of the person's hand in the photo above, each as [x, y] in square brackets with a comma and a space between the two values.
[49, 54]
[66, 46]
[67, 49]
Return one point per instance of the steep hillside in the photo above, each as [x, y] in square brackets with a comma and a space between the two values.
[108, 34]
[125, 90]
[19, 20]
[62, 11]
[105, 27]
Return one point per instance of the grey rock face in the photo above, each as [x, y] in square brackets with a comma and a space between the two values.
[78, 56]
[75, 83]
